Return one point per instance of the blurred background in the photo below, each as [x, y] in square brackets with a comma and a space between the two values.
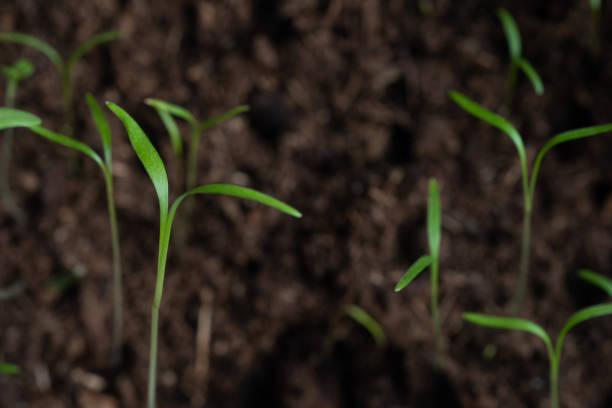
[349, 118]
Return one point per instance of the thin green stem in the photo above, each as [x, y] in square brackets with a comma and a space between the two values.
[434, 309]
[117, 277]
[192, 159]
[521, 285]
[554, 380]
[511, 85]
[153, 357]
[68, 115]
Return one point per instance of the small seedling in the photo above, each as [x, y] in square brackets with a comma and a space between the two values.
[154, 166]
[602, 282]
[554, 354]
[106, 167]
[20, 70]
[363, 318]
[64, 66]
[517, 62]
[7, 368]
[166, 112]
[529, 178]
[434, 232]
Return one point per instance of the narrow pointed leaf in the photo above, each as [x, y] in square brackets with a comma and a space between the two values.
[34, 42]
[513, 36]
[562, 138]
[508, 323]
[90, 43]
[148, 155]
[10, 118]
[225, 115]
[599, 280]
[579, 317]
[433, 218]
[102, 126]
[7, 368]
[415, 269]
[531, 74]
[362, 317]
[68, 142]
[171, 128]
[173, 109]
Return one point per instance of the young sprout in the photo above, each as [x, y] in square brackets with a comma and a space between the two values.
[106, 167]
[363, 318]
[517, 62]
[529, 178]
[21, 69]
[554, 354]
[167, 111]
[7, 368]
[434, 232]
[152, 162]
[64, 66]
[602, 282]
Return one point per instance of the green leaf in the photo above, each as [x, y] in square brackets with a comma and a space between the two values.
[362, 317]
[579, 317]
[509, 323]
[173, 109]
[10, 118]
[7, 368]
[34, 42]
[69, 142]
[562, 138]
[171, 127]
[21, 69]
[225, 115]
[88, 44]
[433, 218]
[599, 280]
[148, 156]
[513, 36]
[530, 73]
[415, 269]
[103, 128]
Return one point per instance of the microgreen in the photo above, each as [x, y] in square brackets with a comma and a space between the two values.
[434, 232]
[167, 111]
[363, 318]
[602, 282]
[517, 62]
[64, 66]
[7, 368]
[529, 177]
[554, 354]
[105, 165]
[154, 166]
[20, 70]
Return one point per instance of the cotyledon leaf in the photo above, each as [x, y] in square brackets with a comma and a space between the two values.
[34, 42]
[531, 74]
[10, 118]
[90, 43]
[173, 109]
[102, 126]
[513, 36]
[69, 142]
[362, 317]
[599, 280]
[415, 269]
[225, 115]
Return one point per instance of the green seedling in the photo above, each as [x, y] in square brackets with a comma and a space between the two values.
[65, 67]
[363, 318]
[106, 167]
[434, 232]
[167, 111]
[7, 368]
[154, 166]
[602, 282]
[20, 70]
[529, 178]
[517, 62]
[554, 354]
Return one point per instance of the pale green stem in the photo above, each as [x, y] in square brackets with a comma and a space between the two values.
[117, 277]
[554, 381]
[434, 309]
[192, 159]
[521, 285]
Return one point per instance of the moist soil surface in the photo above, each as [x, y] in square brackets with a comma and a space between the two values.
[349, 118]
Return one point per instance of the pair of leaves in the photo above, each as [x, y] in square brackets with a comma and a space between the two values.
[52, 53]
[167, 110]
[513, 38]
[502, 124]
[21, 69]
[433, 237]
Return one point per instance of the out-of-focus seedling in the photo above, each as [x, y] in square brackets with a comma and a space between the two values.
[434, 232]
[595, 23]
[363, 318]
[517, 62]
[154, 166]
[554, 353]
[20, 70]
[529, 177]
[8, 368]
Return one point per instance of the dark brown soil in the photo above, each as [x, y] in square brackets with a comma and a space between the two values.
[349, 119]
